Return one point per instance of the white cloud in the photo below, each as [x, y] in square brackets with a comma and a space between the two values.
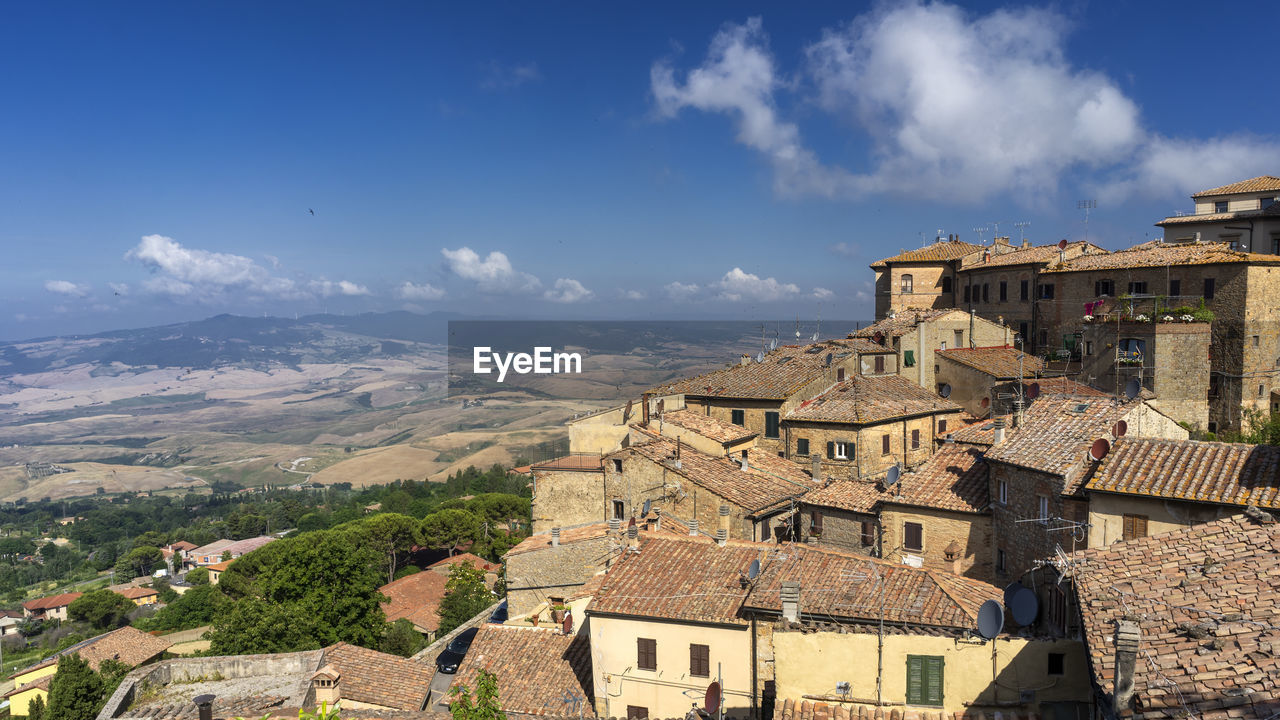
[821, 293]
[425, 291]
[846, 249]
[205, 276]
[21, 317]
[631, 295]
[568, 290]
[679, 291]
[506, 77]
[493, 273]
[955, 106]
[737, 285]
[66, 287]
[119, 288]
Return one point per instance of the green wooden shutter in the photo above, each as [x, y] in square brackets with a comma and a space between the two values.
[908, 358]
[924, 680]
[831, 452]
[933, 681]
[915, 680]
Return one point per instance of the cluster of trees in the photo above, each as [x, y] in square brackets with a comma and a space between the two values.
[78, 691]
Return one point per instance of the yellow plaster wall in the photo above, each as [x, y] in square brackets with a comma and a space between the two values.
[20, 680]
[19, 705]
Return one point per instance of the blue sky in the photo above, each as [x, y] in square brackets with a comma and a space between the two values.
[159, 162]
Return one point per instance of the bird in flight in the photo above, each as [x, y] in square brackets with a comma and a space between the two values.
[313, 212]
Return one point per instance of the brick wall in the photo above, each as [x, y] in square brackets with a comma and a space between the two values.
[1023, 542]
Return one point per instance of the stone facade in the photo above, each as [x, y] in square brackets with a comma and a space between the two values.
[563, 498]
[869, 458]
[914, 285]
[954, 329]
[1174, 364]
[537, 576]
[841, 528]
[970, 532]
[1107, 513]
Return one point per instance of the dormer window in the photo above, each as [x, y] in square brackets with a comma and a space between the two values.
[1264, 203]
[1220, 206]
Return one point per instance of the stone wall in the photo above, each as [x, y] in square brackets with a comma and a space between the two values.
[870, 459]
[970, 531]
[926, 287]
[567, 497]
[1175, 367]
[1022, 542]
[969, 387]
[840, 528]
[534, 576]
[980, 332]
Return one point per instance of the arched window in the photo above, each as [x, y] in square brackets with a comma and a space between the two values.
[946, 284]
[907, 283]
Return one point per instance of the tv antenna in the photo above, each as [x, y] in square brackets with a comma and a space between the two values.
[996, 224]
[981, 231]
[1022, 229]
[1086, 206]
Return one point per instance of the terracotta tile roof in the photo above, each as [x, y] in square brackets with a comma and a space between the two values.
[535, 668]
[902, 322]
[127, 645]
[998, 362]
[377, 678]
[1214, 472]
[568, 535]
[955, 478]
[1262, 183]
[51, 602]
[768, 480]
[707, 426]
[588, 589]
[783, 372]
[219, 566]
[416, 597]
[841, 584]
[42, 683]
[981, 432]
[937, 252]
[182, 545]
[1067, 386]
[859, 496]
[674, 577]
[475, 560]
[1057, 431]
[1269, 211]
[584, 463]
[214, 548]
[1032, 255]
[1159, 254]
[241, 547]
[1209, 613]
[803, 709]
[135, 593]
[862, 400]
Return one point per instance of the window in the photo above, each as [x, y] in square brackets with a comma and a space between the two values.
[946, 284]
[868, 533]
[879, 363]
[1265, 202]
[646, 654]
[1042, 509]
[1131, 350]
[1208, 288]
[1000, 562]
[771, 424]
[839, 374]
[943, 345]
[1104, 287]
[738, 417]
[1022, 290]
[841, 451]
[924, 680]
[985, 294]
[617, 465]
[1175, 287]
[1138, 288]
[1088, 347]
[1135, 526]
[1022, 330]
[915, 439]
[1004, 290]
[1046, 291]
[1261, 392]
[619, 509]
[1220, 206]
[908, 283]
[1232, 241]
[1255, 339]
[967, 290]
[1275, 244]
[913, 536]
[959, 338]
[1056, 663]
[700, 660]
[1214, 385]
[802, 446]
[942, 426]
[635, 712]
[908, 358]
[815, 523]
[1002, 492]
[884, 444]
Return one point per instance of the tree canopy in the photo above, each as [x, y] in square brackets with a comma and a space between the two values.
[465, 596]
[103, 609]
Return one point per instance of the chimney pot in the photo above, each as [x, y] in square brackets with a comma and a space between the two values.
[615, 524]
[1128, 638]
[693, 527]
[722, 536]
[555, 537]
[205, 705]
[790, 595]
[999, 426]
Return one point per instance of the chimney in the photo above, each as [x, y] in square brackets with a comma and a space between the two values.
[722, 536]
[693, 527]
[724, 522]
[952, 555]
[657, 521]
[816, 459]
[1128, 635]
[615, 525]
[633, 538]
[644, 400]
[1002, 241]
[555, 537]
[745, 360]
[999, 430]
[950, 439]
[1026, 243]
[205, 704]
[743, 461]
[791, 601]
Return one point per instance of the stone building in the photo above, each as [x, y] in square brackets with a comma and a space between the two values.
[865, 425]
[1146, 486]
[916, 334]
[548, 568]
[568, 491]
[1038, 470]
[756, 395]
[1171, 359]
[920, 279]
[984, 380]
[1158, 279]
[1245, 215]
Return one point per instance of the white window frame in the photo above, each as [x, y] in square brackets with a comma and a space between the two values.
[1042, 509]
[1002, 492]
[841, 450]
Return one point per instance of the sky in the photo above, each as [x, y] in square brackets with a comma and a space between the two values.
[162, 162]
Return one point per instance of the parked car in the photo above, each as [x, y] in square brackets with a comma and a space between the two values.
[455, 651]
[499, 615]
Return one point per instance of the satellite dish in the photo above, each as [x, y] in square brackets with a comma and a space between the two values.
[892, 477]
[945, 390]
[753, 571]
[662, 405]
[1033, 391]
[1119, 429]
[711, 703]
[626, 413]
[879, 337]
[1132, 388]
[1010, 590]
[1062, 244]
[990, 619]
[760, 357]
[986, 402]
[648, 505]
[1025, 606]
[773, 344]
[1100, 449]
[826, 361]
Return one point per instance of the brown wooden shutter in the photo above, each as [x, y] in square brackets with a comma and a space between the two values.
[884, 444]
[868, 533]
[817, 522]
[915, 439]
[879, 363]
[914, 536]
[700, 660]
[646, 653]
